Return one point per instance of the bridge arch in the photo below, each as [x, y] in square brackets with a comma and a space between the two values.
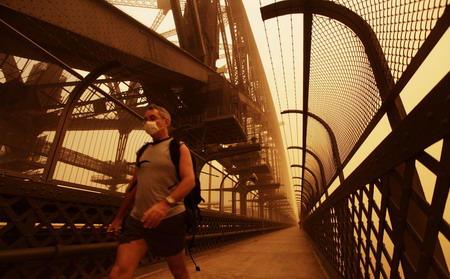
[322, 172]
[69, 107]
[334, 146]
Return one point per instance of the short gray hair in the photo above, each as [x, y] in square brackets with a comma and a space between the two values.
[162, 111]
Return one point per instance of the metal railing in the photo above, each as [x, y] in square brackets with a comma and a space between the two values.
[52, 231]
[379, 223]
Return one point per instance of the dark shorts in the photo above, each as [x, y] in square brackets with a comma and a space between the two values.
[167, 239]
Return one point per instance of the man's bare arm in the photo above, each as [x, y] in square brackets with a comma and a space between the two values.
[186, 173]
[127, 202]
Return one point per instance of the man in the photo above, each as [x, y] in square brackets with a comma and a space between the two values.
[156, 221]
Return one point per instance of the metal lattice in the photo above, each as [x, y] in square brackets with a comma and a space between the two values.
[46, 230]
[379, 223]
[343, 90]
[401, 26]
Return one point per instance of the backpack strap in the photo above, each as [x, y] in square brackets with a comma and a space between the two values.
[174, 149]
[190, 206]
[139, 154]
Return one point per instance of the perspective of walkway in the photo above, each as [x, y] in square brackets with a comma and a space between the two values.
[282, 254]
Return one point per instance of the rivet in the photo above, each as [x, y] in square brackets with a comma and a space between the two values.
[429, 116]
[445, 121]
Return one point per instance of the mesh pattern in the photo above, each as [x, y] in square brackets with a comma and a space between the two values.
[387, 224]
[343, 90]
[400, 26]
[54, 219]
[342, 86]
[320, 144]
[314, 166]
[313, 183]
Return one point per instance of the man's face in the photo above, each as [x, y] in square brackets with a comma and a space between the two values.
[153, 115]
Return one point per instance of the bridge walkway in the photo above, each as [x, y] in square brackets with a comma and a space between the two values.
[283, 254]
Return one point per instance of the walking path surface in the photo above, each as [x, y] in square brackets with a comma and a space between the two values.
[283, 254]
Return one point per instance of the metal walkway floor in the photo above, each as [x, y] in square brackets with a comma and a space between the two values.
[282, 254]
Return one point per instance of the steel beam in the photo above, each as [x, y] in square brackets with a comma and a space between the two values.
[96, 31]
[333, 141]
[319, 162]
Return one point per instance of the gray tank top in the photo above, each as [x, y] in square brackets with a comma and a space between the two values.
[157, 178]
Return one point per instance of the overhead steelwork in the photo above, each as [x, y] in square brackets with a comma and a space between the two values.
[75, 80]
[76, 77]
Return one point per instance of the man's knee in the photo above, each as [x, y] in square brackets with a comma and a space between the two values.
[177, 265]
[121, 271]
[127, 259]
[180, 272]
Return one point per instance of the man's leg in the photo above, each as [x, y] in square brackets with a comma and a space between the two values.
[127, 259]
[177, 266]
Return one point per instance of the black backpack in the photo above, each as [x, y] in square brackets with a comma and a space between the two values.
[191, 201]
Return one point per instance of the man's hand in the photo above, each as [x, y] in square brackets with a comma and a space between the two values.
[113, 229]
[153, 216]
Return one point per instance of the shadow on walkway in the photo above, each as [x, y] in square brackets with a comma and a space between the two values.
[283, 254]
